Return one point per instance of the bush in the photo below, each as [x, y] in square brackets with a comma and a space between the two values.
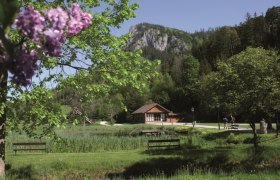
[248, 140]
[187, 130]
[220, 142]
[232, 139]
[182, 130]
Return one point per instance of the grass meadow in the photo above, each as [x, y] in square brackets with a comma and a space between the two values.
[119, 152]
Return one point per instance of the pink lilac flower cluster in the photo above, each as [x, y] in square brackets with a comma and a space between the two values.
[57, 17]
[30, 23]
[78, 21]
[24, 66]
[49, 31]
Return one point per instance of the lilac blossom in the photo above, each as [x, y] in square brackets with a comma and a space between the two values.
[86, 19]
[58, 17]
[49, 31]
[78, 21]
[52, 42]
[30, 23]
[23, 66]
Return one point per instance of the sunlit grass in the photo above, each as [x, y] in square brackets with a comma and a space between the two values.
[119, 152]
[93, 164]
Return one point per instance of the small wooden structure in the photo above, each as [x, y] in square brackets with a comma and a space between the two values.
[30, 146]
[152, 132]
[150, 113]
[165, 143]
[173, 117]
[155, 113]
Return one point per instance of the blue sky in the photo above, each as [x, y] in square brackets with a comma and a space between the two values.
[194, 15]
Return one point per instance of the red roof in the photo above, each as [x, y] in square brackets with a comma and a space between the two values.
[148, 107]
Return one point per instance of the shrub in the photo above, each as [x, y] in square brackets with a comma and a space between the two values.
[232, 139]
[248, 140]
[187, 130]
[182, 130]
[220, 142]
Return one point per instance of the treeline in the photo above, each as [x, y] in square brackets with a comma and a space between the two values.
[224, 42]
[208, 49]
[183, 79]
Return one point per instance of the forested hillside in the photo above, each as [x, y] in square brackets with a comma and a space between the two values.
[208, 46]
[187, 57]
[188, 61]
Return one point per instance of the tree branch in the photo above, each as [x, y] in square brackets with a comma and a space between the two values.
[71, 66]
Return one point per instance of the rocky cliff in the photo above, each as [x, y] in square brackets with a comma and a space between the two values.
[160, 38]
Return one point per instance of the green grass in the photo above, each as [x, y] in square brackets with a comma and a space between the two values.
[189, 162]
[89, 164]
[118, 152]
[94, 138]
[78, 161]
[199, 175]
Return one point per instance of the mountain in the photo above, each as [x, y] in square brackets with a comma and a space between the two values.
[172, 46]
[159, 38]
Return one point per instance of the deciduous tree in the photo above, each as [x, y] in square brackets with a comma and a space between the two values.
[244, 84]
[45, 40]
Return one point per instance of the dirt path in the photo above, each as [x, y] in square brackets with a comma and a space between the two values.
[197, 125]
[105, 123]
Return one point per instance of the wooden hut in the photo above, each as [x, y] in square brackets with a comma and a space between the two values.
[154, 113]
[174, 117]
[150, 113]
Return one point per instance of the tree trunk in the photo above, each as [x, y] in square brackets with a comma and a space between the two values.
[3, 100]
[255, 138]
[277, 125]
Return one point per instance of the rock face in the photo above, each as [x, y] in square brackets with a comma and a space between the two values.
[157, 37]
